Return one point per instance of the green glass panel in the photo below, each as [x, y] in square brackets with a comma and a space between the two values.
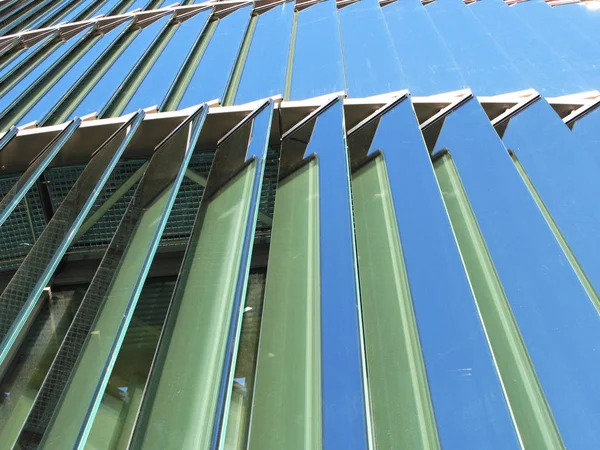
[116, 416]
[24, 377]
[529, 407]
[289, 355]
[67, 421]
[119, 281]
[400, 402]
[182, 397]
[245, 365]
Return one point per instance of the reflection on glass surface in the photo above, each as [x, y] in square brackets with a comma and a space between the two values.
[21, 295]
[565, 177]
[269, 48]
[238, 419]
[395, 277]
[538, 63]
[21, 384]
[574, 47]
[50, 97]
[100, 92]
[372, 65]
[427, 64]
[212, 74]
[533, 271]
[9, 99]
[188, 400]
[34, 170]
[317, 73]
[484, 66]
[313, 156]
[587, 129]
[23, 58]
[48, 16]
[74, 14]
[286, 408]
[119, 281]
[153, 89]
[117, 412]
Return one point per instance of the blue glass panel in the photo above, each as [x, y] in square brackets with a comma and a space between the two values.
[587, 129]
[14, 21]
[212, 74]
[559, 325]
[139, 4]
[56, 92]
[583, 17]
[10, 49]
[154, 88]
[108, 8]
[537, 62]
[11, 97]
[269, 49]
[471, 408]
[51, 15]
[344, 421]
[13, 11]
[320, 72]
[485, 67]
[97, 98]
[22, 57]
[566, 39]
[74, 14]
[564, 175]
[372, 65]
[428, 66]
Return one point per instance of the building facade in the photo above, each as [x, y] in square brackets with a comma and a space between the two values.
[278, 225]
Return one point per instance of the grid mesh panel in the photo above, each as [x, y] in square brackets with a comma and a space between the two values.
[22, 228]
[98, 237]
[181, 220]
[267, 197]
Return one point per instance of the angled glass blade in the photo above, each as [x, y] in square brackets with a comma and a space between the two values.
[21, 295]
[10, 201]
[187, 400]
[119, 281]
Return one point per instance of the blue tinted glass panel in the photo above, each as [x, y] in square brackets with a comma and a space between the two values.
[320, 72]
[52, 15]
[161, 77]
[139, 4]
[467, 408]
[9, 98]
[372, 66]
[564, 175]
[484, 66]
[74, 14]
[107, 8]
[344, 421]
[56, 92]
[559, 325]
[212, 74]
[23, 56]
[266, 65]
[587, 129]
[537, 62]
[583, 17]
[566, 39]
[428, 66]
[112, 79]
